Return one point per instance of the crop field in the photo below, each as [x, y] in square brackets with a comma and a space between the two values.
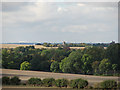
[36, 46]
[25, 75]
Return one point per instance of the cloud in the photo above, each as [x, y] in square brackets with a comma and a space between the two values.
[81, 4]
[60, 9]
[58, 19]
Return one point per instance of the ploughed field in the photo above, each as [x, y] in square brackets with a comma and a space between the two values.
[25, 75]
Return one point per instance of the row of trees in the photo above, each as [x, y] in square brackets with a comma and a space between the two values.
[73, 44]
[92, 60]
[51, 82]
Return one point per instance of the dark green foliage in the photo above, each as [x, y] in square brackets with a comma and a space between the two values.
[90, 60]
[113, 54]
[78, 83]
[55, 67]
[48, 82]
[95, 67]
[109, 84]
[105, 66]
[5, 80]
[15, 81]
[39, 63]
[61, 82]
[97, 53]
[72, 63]
[118, 85]
[35, 81]
[86, 63]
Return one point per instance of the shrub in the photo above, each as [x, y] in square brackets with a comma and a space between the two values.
[89, 87]
[61, 82]
[118, 85]
[15, 80]
[35, 81]
[78, 83]
[109, 84]
[5, 80]
[48, 82]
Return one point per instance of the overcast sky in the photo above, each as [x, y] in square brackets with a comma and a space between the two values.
[57, 22]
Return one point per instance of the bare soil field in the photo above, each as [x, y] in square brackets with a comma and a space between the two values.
[36, 46]
[25, 75]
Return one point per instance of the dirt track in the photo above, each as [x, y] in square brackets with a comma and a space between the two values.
[25, 75]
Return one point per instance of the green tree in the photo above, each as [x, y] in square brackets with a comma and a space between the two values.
[87, 61]
[72, 63]
[97, 53]
[114, 67]
[95, 67]
[35, 81]
[55, 67]
[40, 63]
[112, 53]
[104, 66]
[15, 80]
[25, 66]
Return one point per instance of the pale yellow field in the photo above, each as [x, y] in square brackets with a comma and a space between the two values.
[36, 46]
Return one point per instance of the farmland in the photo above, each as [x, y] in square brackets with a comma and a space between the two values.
[36, 46]
[94, 64]
[25, 75]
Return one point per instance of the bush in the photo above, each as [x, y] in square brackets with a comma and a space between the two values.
[118, 85]
[89, 87]
[61, 82]
[5, 80]
[109, 84]
[15, 80]
[78, 83]
[35, 81]
[48, 82]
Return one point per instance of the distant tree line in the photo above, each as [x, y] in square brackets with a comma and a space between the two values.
[73, 44]
[92, 60]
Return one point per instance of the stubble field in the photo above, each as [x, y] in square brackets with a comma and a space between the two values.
[25, 75]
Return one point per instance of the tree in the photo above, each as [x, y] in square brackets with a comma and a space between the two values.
[113, 54]
[104, 66]
[87, 61]
[25, 66]
[55, 67]
[72, 63]
[114, 67]
[95, 67]
[15, 80]
[40, 63]
[97, 53]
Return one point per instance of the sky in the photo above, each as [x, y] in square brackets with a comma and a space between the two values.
[59, 21]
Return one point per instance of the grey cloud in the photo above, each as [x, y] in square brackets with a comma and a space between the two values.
[13, 6]
[43, 22]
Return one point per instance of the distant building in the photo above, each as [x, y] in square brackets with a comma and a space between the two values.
[113, 42]
[64, 43]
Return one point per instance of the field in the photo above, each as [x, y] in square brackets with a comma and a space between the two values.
[36, 46]
[25, 75]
